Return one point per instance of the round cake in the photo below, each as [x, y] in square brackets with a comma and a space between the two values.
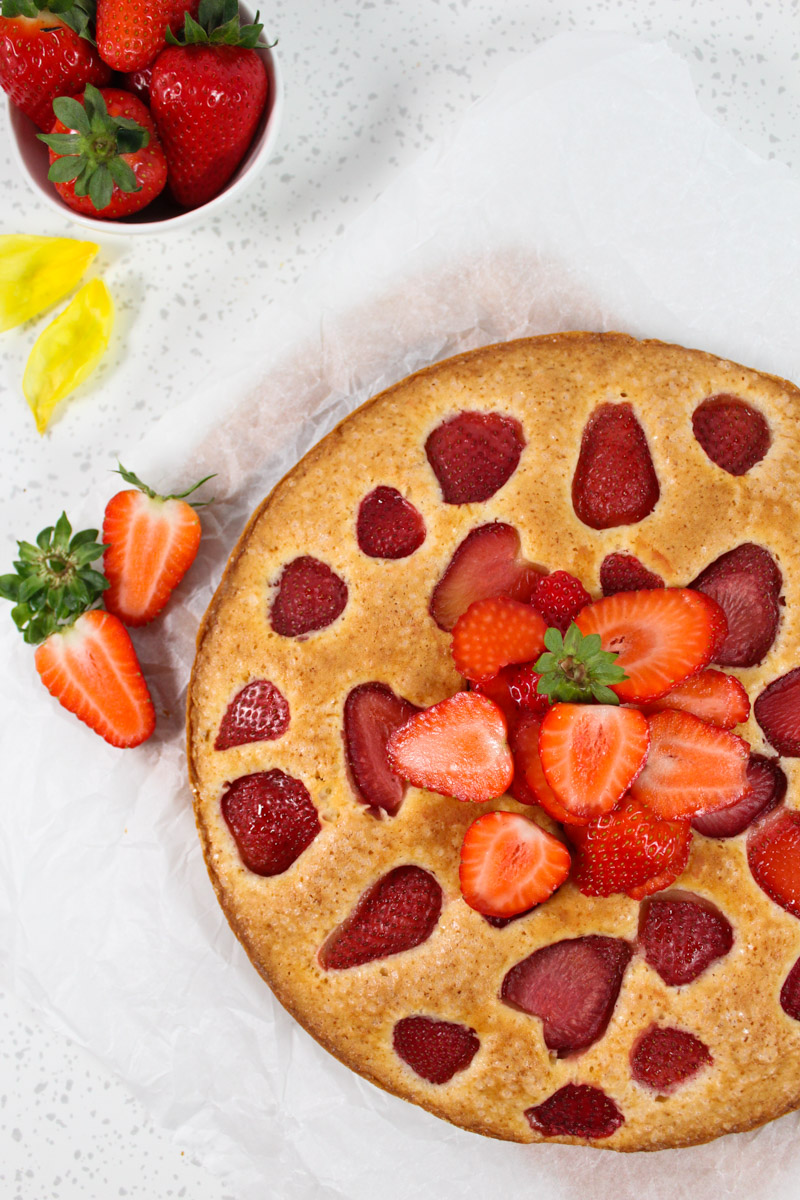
[632, 1024]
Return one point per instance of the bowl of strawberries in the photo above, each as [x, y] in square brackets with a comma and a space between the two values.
[138, 117]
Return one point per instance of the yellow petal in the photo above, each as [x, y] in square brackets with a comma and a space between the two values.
[36, 272]
[68, 350]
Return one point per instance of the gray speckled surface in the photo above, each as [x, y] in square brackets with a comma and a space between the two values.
[369, 86]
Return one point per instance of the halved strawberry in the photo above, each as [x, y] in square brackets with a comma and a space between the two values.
[308, 596]
[710, 695]
[661, 637]
[457, 748]
[591, 754]
[559, 597]
[495, 632]
[488, 562]
[746, 582]
[509, 864]
[372, 712]
[629, 850]
[681, 935]
[473, 454]
[664, 1057]
[615, 482]
[388, 525]
[692, 767]
[435, 1049]
[576, 1110]
[272, 819]
[530, 785]
[767, 789]
[733, 434]
[397, 912]
[773, 854]
[624, 573]
[777, 710]
[257, 713]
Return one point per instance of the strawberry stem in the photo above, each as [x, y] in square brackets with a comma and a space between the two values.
[136, 482]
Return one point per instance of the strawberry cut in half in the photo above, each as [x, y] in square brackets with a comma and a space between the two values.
[629, 850]
[710, 695]
[457, 748]
[509, 864]
[530, 784]
[773, 855]
[591, 754]
[661, 637]
[488, 562]
[494, 633]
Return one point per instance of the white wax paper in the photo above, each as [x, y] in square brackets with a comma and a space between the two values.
[587, 190]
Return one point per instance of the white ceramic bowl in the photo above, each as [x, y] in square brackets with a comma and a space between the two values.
[163, 215]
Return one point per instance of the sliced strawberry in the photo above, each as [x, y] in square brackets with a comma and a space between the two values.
[591, 754]
[559, 598]
[710, 695]
[488, 562]
[372, 713]
[457, 748]
[309, 596]
[746, 583]
[576, 1110]
[767, 788]
[258, 713]
[790, 993]
[495, 632]
[661, 637]
[615, 482]
[523, 686]
[572, 986]
[692, 767]
[682, 935]
[272, 819]
[509, 864]
[398, 912]
[436, 1050]
[733, 434]
[498, 689]
[664, 1057]
[530, 785]
[473, 454]
[773, 854]
[624, 573]
[388, 525]
[777, 711]
[629, 850]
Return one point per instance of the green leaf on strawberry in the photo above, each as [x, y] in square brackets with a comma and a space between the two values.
[217, 24]
[575, 669]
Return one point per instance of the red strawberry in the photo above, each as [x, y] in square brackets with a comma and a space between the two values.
[272, 820]
[257, 713]
[509, 864]
[399, 911]
[523, 687]
[790, 993]
[388, 525]
[767, 788]
[105, 157]
[591, 754]
[692, 767]
[773, 854]
[138, 82]
[151, 541]
[777, 711]
[733, 434]
[130, 33]
[713, 696]
[84, 656]
[559, 598]
[205, 143]
[44, 55]
[474, 454]
[664, 1057]
[576, 1110]
[530, 785]
[624, 573]
[572, 986]
[661, 637]
[486, 563]
[436, 1050]
[746, 583]
[498, 689]
[682, 935]
[372, 712]
[494, 633]
[615, 482]
[309, 596]
[458, 748]
[629, 850]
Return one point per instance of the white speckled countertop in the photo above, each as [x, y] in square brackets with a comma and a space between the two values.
[369, 85]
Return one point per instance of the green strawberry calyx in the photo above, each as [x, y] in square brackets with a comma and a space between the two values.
[134, 481]
[575, 669]
[91, 156]
[53, 583]
[217, 24]
[79, 15]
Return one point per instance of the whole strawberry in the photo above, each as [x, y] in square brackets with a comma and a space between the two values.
[205, 142]
[47, 52]
[105, 156]
[130, 33]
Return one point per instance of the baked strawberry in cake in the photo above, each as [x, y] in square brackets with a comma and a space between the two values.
[493, 735]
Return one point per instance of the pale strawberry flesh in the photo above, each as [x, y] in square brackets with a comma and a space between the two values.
[681, 937]
[309, 596]
[665, 1057]
[767, 789]
[615, 481]
[435, 1050]
[746, 583]
[388, 525]
[790, 993]
[576, 1110]
[572, 986]
[488, 562]
[474, 454]
[773, 855]
[624, 573]
[272, 819]
[509, 864]
[398, 912]
[777, 711]
[372, 712]
[591, 754]
[258, 713]
[733, 434]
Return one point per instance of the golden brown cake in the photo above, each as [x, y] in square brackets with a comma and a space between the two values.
[335, 584]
